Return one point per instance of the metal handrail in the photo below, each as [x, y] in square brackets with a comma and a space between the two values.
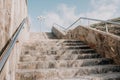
[85, 18]
[6, 53]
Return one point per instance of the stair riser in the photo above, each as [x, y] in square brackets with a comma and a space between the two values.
[62, 73]
[71, 42]
[77, 47]
[81, 51]
[71, 51]
[63, 57]
[68, 44]
[89, 57]
[63, 64]
[100, 78]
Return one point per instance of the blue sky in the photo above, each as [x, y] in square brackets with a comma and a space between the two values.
[64, 12]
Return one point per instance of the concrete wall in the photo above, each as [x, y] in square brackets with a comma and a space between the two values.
[58, 32]
[106, 44]
[12, 12]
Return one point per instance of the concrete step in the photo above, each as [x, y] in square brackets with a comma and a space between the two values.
[81, 51]
[99, 69]
[58, 51]
[104, 76]
[73, 44]
[72, 41]
[74, 51]
[73, 54]
[66, 56]
[88, 50]
[62, 40]
[69, 56]
[77, 47]
[63, 63]
[88, 56]
[39, 74]
[68, 79]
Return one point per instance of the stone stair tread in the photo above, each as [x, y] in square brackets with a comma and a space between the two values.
[73, 44]
[77, 47]
[73, 51]
[78, 60]
[82, 48]
[67, 72]
[80, 68]
[68, 79]
[104, 76]
[62, 40]
[82, 51]
[83, 45]
[64, 63]
[67, 51]
[68, 60]
[57, 57]
[89, 56]
[70, 41]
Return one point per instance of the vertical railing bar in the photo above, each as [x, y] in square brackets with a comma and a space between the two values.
[106, 27]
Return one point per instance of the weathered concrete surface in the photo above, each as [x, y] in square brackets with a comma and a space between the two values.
[58, 32]
[106, 44]
[12, 12]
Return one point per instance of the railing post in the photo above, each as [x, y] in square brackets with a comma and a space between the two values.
[106, 27]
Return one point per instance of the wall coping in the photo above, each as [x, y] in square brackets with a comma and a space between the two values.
[102, 32]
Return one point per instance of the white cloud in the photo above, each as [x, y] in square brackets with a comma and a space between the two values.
[67, 13]
[64, 15]
[100, 9]
[104, 9]
[52, 18]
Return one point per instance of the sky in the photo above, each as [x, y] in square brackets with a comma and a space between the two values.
[65, 12]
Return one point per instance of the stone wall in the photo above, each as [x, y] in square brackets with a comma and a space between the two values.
[106, 44]
[12, 12]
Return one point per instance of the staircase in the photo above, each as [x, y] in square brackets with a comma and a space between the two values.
[62, 59]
